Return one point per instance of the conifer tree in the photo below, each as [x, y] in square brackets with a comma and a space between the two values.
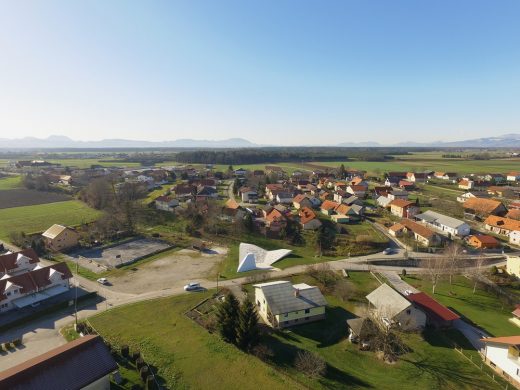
[247, 326]
[227, 318]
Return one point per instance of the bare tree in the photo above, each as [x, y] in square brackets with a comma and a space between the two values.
[310, 364]
[385, 337]
[434, 267]
[452, 253]
[476, 271]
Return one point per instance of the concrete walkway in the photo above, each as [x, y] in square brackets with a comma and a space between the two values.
[400, 285]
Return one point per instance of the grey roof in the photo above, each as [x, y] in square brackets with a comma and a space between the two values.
[388, 301]
[441, 219]
[281, 297]
[71, 366]
[356, 324]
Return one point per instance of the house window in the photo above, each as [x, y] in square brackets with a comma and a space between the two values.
[9, 293]
[408, 311]
[307, 311]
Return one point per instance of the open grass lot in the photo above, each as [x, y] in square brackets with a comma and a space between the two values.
[482, 308]
[32, 219]
[430, 161]
[23, 197]
[10, 183]
[186, 355]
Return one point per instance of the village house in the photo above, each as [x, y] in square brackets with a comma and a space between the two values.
[513, 176]
[472, 194]
[478, 207]
[513, 265]
[466, 184]
[14, 263]
[420, 233]
[85, 363]
[514, 237]
[205, 193]
[451, 176]
[166, 203]
[300, 201]
[444, 224]
[501, 225]
[308, 219]
[403, 208]
[383, 201]
[392, 309]
[483, 241]
[284, 197]
[184, 191]
[271, 190]
[346, 214]
[516, 316]
[357, 190]
[513, 214]
[59, 238]
[508, 192]
[503, 355]
[328, 207]
[281, 304]
[232, 210]
[415, 177]
[397, 194]
[380, 191]
[437, 315]
[406, 185]
[33, 286]
[248, 195]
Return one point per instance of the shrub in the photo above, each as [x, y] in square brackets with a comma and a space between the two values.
[139, 363]
[403, 272]
[310, 364]
[144, 372]
[262, 352]
[494, 270]
[150, 382]
[125, 351]
[136, 355]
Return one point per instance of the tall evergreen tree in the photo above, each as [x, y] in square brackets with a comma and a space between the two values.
[227, 318]
[247, 329]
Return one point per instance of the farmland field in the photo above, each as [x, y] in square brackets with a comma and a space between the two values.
[11, 182]
[23, 197]
[87, 162]
[37, 218]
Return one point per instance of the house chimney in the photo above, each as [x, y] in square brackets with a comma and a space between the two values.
[297, 292]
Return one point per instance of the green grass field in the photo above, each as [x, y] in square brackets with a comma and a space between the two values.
[10, 183]
[32, 219]
[483, 308]
[87, 162]
[186, 355]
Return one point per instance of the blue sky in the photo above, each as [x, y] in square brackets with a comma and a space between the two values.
[274, 72]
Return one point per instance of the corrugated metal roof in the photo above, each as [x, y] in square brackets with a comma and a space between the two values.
[388, 301]
[281, 297]
[432, 216]
[54, 231]
[71, 366]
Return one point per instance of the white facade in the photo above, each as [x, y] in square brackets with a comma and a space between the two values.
[514, 237]
[498, 357]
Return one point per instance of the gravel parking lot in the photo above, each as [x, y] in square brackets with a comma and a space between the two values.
[173, 269]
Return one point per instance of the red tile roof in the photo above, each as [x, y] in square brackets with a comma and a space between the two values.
[510, 340]
[502, 223]
[513, 214]
[306, 215]
[8, 261]
[401, 203]
[425, 301]
[329, 205]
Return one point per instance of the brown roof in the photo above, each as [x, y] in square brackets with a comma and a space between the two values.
[232, 204]
[503, 223]
[396, 227]
[358, 187]
[329, 205]
[8, 261]
[485, 239]
[275, 215]
[401, 203]
[510, 340]
[487, 206]
[513, 214]
[71, 366]
[299, 198]
[417, 228]
[342, 209]
[432, 306]
[306, 215]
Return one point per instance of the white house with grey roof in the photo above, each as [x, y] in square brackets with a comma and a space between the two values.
[392, 309]
[444, 224]
[282, 304]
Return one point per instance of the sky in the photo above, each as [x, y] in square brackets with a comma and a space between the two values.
[287, 72]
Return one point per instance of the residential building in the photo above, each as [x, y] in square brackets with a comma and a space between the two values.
[472, 194]
[514, 237]
[14, 263]
[248, 195]
[421, 233]
[503, 355]
[392, 309]
[85, 363]
[501, 225]
[513, 265]
[383, 201]
[437, 315]
[33, 286]
[482, 207]
[284, 197]
[483, 241]
[328, 207]
[443, 223]
[357, 190]
[403, 208]
[166, 203]
[281, 304]
[513, 176]
[466, 184]
[308, 219]
[513, 214]
[397, 194]
[300, 201]
[60, 238]
[415, 177]
[516, 316]
[406, 185]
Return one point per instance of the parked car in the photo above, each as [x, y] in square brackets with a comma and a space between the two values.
[192, 286]
[388, 251]
[102, 281]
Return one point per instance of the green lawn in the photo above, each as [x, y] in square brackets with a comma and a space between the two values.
[37, 218]
[10, 183]
[87, 162]
[482, 308]
[186, 355]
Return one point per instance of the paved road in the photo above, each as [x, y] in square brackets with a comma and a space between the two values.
[400, 285]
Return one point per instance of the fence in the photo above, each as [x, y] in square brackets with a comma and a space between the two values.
[484, 368]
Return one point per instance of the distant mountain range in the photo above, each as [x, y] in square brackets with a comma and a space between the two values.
[59, 141]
